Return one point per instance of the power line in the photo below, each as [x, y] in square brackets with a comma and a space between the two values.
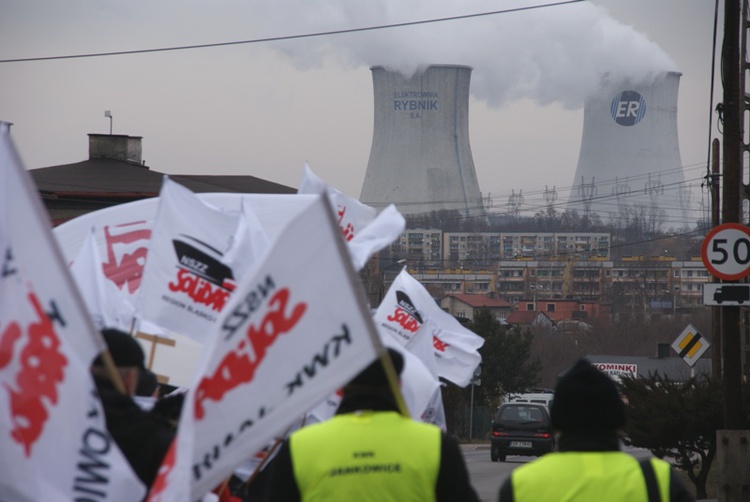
[289, 37]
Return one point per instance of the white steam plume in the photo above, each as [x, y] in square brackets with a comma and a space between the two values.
[552, 54]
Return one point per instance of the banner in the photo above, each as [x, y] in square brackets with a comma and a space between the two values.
[123, 232]
[295, 331]
[408, 308]
[186, 281]
[54, 444]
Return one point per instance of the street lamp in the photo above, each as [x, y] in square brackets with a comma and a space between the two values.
[382, 276]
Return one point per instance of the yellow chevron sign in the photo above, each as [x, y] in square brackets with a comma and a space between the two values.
[690, 345]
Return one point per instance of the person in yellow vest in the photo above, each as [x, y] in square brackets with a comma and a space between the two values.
[370, 452]
[588, 415]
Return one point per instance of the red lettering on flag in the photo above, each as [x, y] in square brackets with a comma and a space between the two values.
[199, 290]
[439, 344]
[238, 366]
[348, 229]
[129, 268]
[160, 483]
[41, 372]
[403, 318]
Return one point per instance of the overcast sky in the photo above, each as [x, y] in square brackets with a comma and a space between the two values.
[265, 108]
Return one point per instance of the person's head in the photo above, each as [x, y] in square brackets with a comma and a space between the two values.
[587, 401]
[373, 376]
[148, 383]
[127, 355]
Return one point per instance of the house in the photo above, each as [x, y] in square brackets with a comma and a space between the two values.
[559, 309]
[115, 173]
[529, 318]
[465, 306]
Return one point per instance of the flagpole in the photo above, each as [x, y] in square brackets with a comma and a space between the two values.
[114, 375]
[268, 456]
[385, 359]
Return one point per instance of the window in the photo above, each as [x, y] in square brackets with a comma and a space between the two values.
[529, 306]
[550, 307]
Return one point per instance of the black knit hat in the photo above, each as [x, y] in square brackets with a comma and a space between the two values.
[374, 375]
[587, 400]
[125, 350]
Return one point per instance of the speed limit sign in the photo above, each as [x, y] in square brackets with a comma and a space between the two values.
[726, 251]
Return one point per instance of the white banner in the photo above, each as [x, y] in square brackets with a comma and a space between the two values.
[408, 307]
[291, 334]
[123, 232]
[53, 439]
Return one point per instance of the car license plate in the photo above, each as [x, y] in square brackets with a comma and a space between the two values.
[520, 444]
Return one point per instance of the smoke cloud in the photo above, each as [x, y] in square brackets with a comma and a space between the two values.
[548, 55]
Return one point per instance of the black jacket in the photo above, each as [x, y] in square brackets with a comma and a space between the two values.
[143, 436]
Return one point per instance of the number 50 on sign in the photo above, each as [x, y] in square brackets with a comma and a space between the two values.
[726, 251]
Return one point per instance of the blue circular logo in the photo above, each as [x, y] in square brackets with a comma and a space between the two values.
[628, 108]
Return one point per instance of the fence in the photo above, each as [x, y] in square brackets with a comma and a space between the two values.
[470, 425]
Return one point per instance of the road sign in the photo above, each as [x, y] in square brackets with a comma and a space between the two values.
[726, 251]
[726, 294]
[690, 345]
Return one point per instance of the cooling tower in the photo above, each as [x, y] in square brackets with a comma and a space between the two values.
[629, 163]
[420, 158]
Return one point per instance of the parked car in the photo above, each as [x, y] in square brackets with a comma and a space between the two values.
[544, 397]
[521, 429]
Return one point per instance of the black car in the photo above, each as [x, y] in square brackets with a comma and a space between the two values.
[521, 429]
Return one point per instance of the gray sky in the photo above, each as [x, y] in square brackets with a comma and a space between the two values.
[264, 109]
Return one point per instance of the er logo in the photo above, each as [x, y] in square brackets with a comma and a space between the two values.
[628, 108]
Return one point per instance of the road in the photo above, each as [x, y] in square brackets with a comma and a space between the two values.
[486, 475]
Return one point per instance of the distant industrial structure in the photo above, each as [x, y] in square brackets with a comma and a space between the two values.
[629, 162]
[420, 158]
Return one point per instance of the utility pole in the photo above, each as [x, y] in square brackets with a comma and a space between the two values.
[731, 207]
[732, 456]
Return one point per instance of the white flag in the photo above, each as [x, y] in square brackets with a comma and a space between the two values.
[418, 384]
[291, 334]
[54, 444]
[185, 281]
[109, 306]
[366, 230]
[408, 307]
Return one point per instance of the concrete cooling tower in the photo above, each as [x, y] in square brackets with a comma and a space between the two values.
[629, 163]
[420, 158]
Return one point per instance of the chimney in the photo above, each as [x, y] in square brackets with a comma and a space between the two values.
[115, 146]
[420, 159]
[630, 153]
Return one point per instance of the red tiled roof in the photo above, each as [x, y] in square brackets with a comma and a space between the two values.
[478, 301]
[523, 316]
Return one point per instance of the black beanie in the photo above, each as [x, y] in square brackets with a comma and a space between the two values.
[374, 375]
[587, 400]
[125, 349]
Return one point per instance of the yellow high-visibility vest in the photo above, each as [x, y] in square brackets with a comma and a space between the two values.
[378, 456]
[587, 476]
